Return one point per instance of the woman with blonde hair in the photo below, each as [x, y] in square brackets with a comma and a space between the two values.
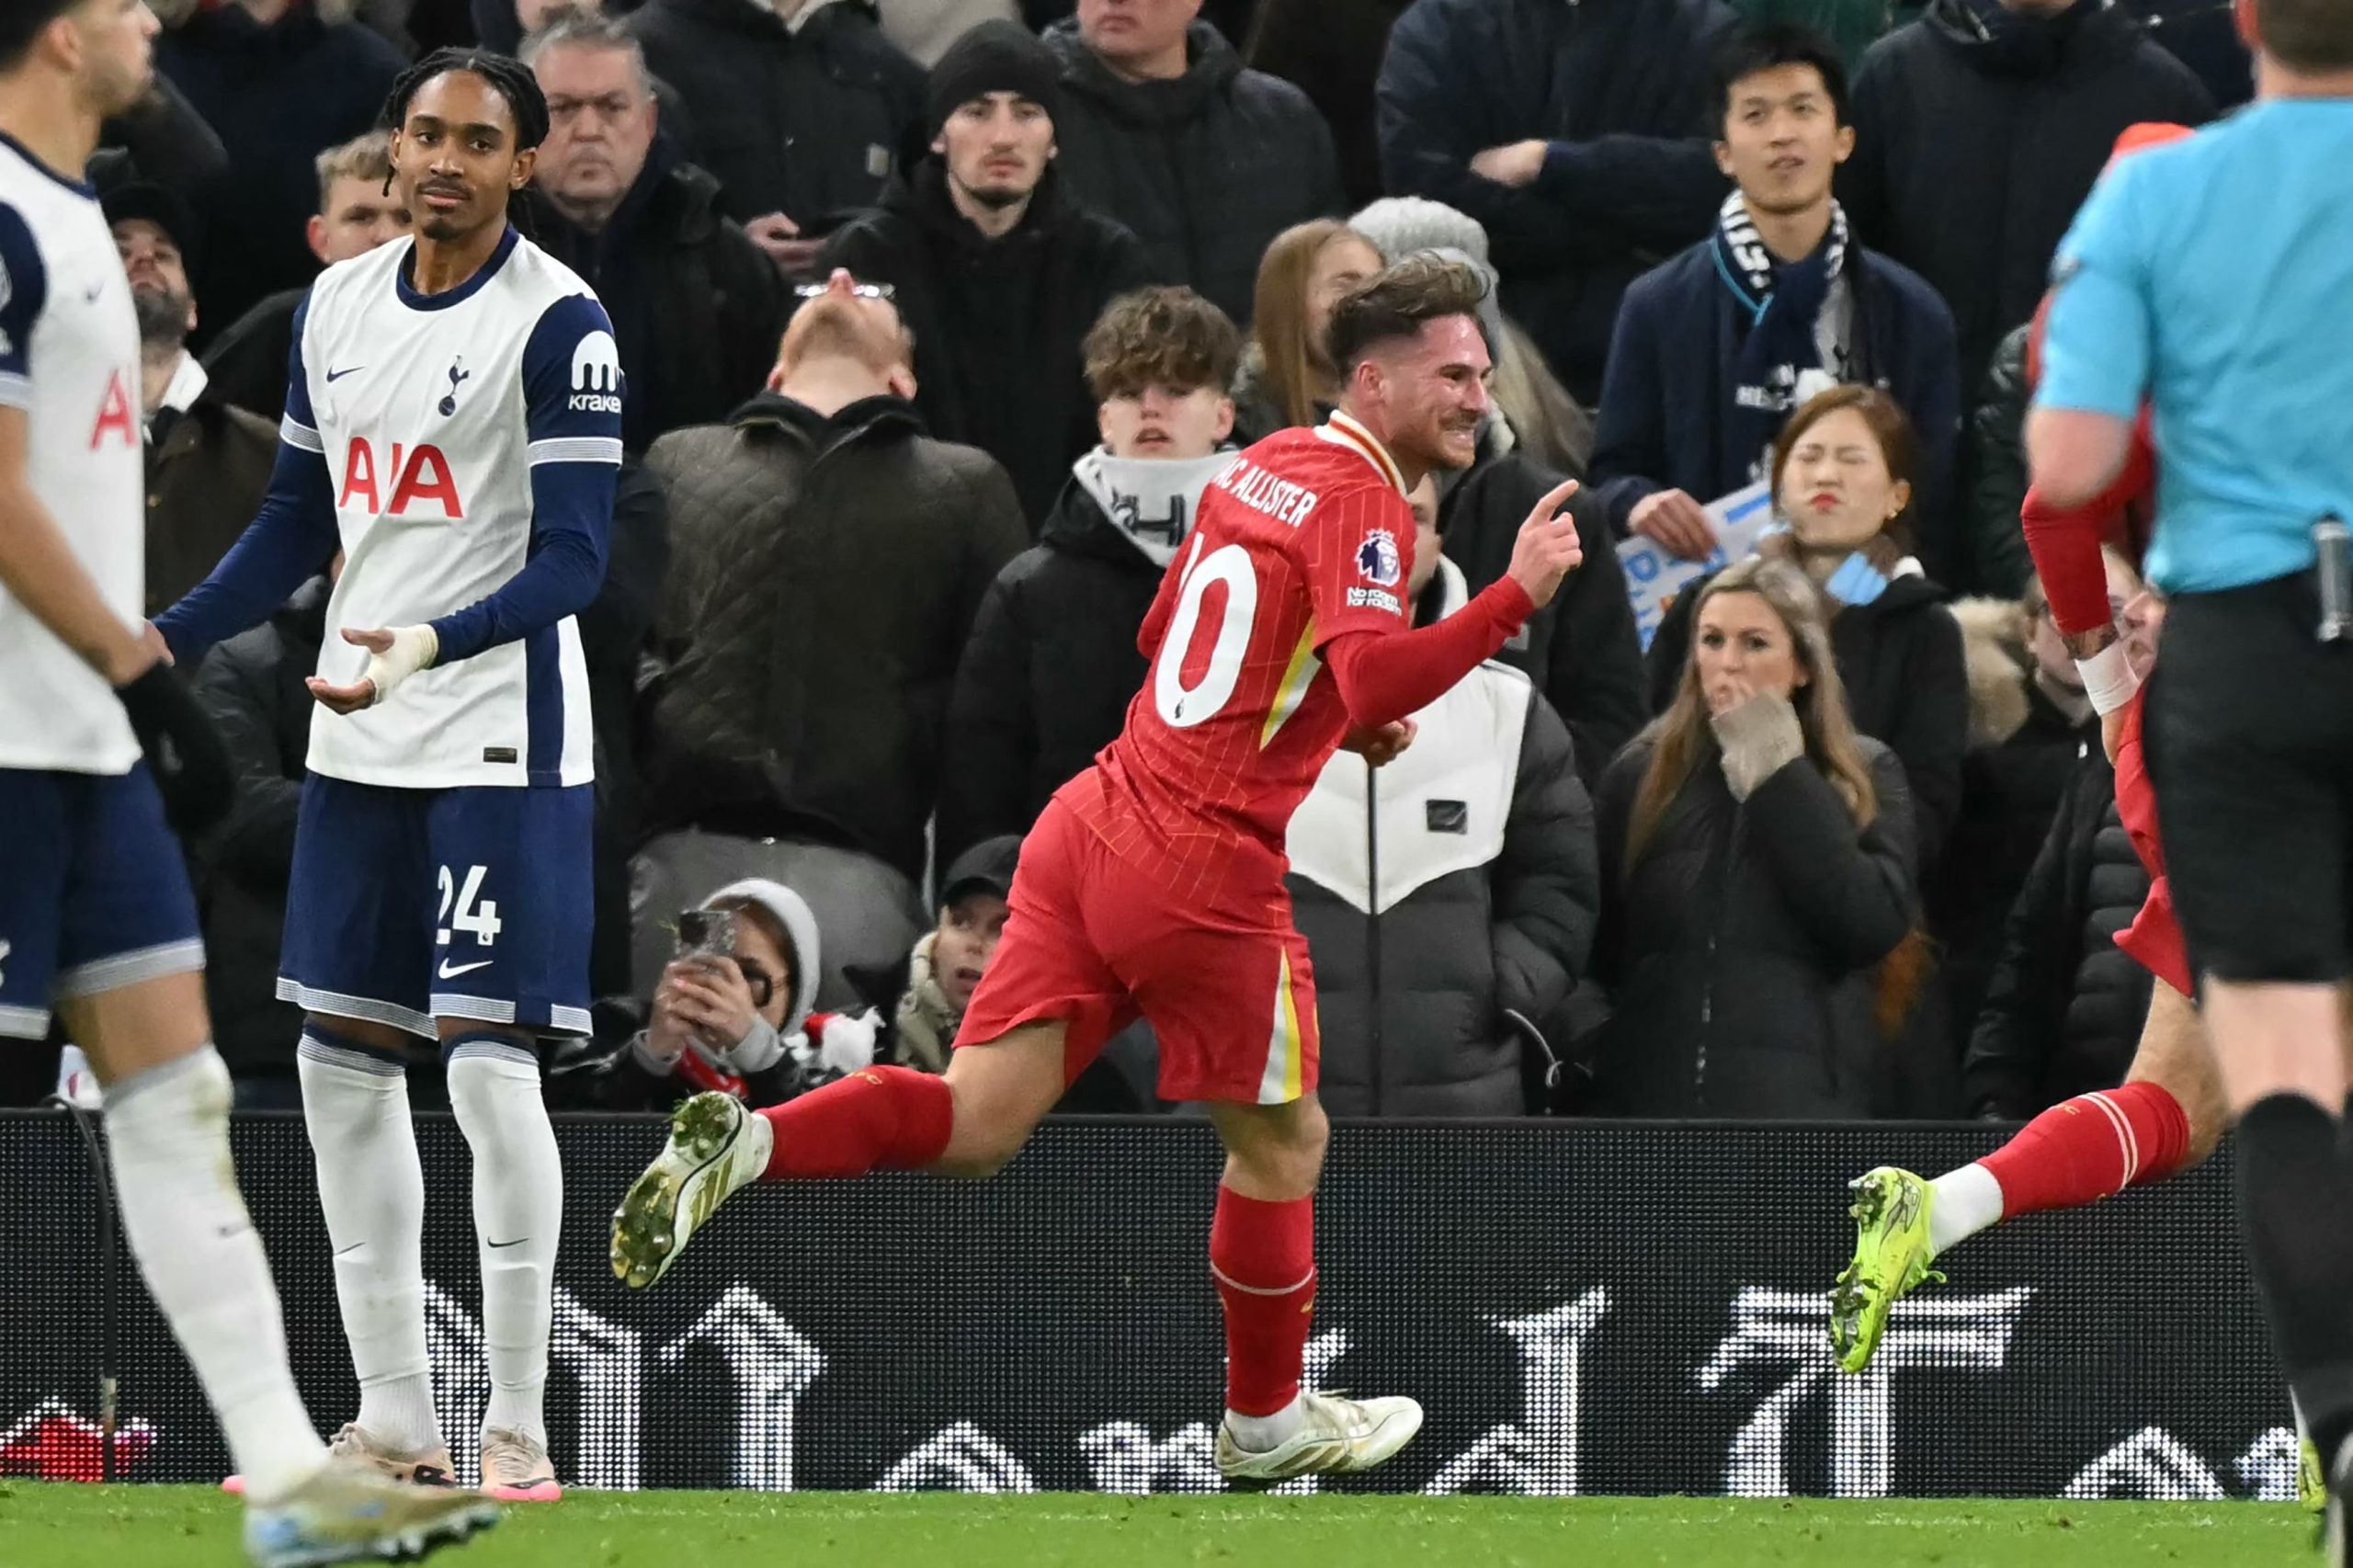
[1758, 905]
[1286, 378]
[1845, 475]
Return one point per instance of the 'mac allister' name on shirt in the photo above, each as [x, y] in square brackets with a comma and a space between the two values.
[1306, 538]
[1280, 498]
[443, 421]
[69, 361]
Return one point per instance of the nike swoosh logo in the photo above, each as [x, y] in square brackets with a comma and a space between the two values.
[519, 1241]
[335, 376]
[96, 290]
[451, 972]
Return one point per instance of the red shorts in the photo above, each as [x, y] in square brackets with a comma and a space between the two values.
[2153, 940]
[1095, 943]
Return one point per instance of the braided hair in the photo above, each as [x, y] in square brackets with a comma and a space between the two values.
[510, 79]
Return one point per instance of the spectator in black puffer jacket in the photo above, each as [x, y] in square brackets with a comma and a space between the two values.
[1979, 130]
[2065, 1004]
[1205, 162]
[1483, 916]
[1994, 464]
[1052, 663]
[1758, 915]
[1842, 478]
[2030, 726]
[253, 687]
[801, 109]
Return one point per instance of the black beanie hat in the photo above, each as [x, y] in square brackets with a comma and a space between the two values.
[996, 56]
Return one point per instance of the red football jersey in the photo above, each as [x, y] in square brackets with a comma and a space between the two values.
[1307, 536]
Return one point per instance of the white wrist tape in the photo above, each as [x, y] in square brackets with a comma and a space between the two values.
[2108, 679]
[413, 648]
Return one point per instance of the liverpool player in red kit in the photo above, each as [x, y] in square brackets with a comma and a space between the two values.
[1153, 883]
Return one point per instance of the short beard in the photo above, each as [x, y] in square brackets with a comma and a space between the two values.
[997, 200]
[163, 317]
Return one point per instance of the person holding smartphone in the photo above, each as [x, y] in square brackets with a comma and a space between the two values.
[723, 1011]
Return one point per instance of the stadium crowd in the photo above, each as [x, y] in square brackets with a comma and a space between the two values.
[938, 315]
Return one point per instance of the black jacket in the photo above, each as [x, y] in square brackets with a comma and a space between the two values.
[1580, 650]
[248, 362]
[253, 687]
[1973, 148]
[1999, 563]
[696, 306]
[1900, 657]
[998, 323]
[1671, 383]
[824, 574]
[1739, 951]
[1488, 891]
[1205, 170]
[1046, 680]
[2023, 752]
[808, 121]
[277, 96]
[2065, 1007]
[163, 139]
[1619, 88]
[1332, 52]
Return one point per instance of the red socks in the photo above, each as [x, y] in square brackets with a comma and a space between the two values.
[1262, 1258]
[891, 1118]
[2089, 1148]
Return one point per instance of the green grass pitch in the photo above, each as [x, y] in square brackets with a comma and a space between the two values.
[167, 1527]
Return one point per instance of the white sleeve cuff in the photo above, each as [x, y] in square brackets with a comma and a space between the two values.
[2108, 679]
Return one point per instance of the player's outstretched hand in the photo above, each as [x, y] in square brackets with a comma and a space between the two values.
[1547, 548]
[395, 654]
[1381, 744]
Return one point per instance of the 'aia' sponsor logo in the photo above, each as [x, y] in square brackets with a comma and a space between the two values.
[116, 415]
[414, 476]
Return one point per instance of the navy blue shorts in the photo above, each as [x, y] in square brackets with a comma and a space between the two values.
[408, 906]
[93, 895]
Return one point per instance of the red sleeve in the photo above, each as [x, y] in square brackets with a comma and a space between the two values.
[1388, 674]
[1355, 553]
[2065, 544]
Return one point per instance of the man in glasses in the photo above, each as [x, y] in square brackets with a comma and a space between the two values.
[827, 558]
[696, 305]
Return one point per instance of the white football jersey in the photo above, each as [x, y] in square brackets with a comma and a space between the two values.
[69, 358]
[433, 413]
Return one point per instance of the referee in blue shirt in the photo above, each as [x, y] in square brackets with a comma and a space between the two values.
[2214, 278]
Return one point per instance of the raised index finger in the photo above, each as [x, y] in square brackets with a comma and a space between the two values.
[1556, 497]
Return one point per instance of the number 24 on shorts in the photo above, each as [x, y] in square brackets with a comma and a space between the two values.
[477, 919]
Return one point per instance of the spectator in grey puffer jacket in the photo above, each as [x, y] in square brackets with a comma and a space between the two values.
[1434, 978]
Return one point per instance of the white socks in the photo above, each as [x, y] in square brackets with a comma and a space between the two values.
[1962, 1202]
[372, 1187]
[168, 1138]
[518, 1214]
[1260, 1434]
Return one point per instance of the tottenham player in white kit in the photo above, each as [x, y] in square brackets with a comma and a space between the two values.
[452, 424]
[96, 919]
